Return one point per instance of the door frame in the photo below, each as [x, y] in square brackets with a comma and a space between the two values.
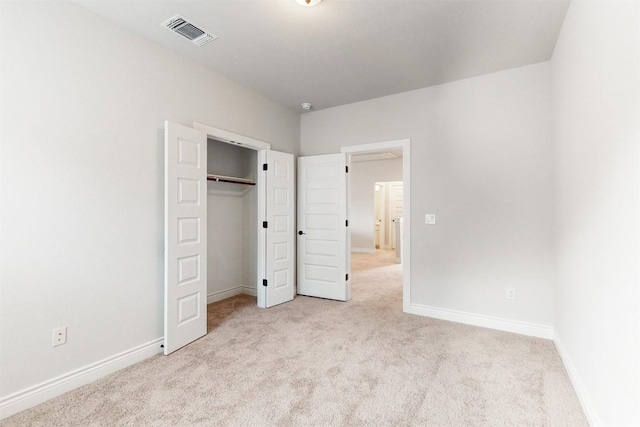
[261, 186]
[377, 147]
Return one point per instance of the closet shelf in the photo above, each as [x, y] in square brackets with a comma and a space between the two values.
[230, 179]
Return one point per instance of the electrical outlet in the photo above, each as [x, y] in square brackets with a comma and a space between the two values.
[511, 293]
[59, 336]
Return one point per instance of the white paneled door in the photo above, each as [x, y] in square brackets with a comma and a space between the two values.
[185, 252]
[323, 265]
[396, 208]
[279, 284]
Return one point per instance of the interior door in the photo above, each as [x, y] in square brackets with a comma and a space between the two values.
[396, 208]
[185, 252]
[279, 284]
[382, 214]
[323, 265]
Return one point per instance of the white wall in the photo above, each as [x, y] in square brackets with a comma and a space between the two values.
[227, 250]
[364, 176]
[480, 160]
[83, 105]
[596, 100]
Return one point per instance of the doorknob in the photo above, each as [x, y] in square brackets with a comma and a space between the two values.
[301, 232]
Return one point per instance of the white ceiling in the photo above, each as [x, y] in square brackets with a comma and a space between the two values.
[344, 51]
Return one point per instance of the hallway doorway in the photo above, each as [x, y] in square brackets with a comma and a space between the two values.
[378, 205]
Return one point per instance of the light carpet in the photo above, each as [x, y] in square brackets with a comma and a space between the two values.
[314, 362]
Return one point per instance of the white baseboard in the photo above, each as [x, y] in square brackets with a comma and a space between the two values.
[248, 290]
[32, 396]
[523, 328]
[220, 295]
[228, 293]
[581, 392]
[362, 250]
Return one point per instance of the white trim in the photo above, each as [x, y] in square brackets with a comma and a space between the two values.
[375, 147]
[347, 206]
[228, 293]
[507, 325]
[362, 250]
[261, 186]
[39, 393]
[261, 240]
[405, 145]
[220, 295]
[248, 290]
[231, 137]
[581, 391]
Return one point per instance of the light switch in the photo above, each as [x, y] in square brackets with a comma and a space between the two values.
[430, 219]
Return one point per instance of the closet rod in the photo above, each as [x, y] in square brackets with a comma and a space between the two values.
[230, 179]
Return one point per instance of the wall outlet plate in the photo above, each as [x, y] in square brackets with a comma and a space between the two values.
[511, 293]
[59, 336]
[430, 219]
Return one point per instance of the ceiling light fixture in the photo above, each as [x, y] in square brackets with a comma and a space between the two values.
[308, 3]
[306, 106]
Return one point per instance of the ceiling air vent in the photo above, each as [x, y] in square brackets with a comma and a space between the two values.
[189, 30]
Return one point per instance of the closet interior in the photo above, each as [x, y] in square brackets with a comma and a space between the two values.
[232, 200]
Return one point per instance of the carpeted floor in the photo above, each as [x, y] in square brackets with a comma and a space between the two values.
[318, 362]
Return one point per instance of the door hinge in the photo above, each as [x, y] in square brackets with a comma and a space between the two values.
[265, 166]
[265, 224]
[264, 282]
[346, 169]
[346, 277]
[346, 223]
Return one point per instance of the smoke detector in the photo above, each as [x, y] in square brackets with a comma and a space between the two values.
[187, 29]
[306, 106]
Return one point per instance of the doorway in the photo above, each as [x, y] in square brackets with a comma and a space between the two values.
[362, 243]
[388, 208]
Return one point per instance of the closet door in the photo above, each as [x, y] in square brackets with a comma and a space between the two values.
[279, 283]
[185, 222]
[323, 261]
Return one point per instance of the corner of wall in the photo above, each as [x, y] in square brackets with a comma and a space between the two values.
[581, 391]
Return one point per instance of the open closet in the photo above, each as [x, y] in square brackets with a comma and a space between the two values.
[229, 225]
[232, 203]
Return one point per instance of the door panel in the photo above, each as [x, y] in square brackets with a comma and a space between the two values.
[396, 208]
[280, 241]
[322, 237]
[185, 252]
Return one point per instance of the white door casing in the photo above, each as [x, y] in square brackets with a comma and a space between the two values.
[323, 265]
[280, 231]
[261, 148]
[185, 252]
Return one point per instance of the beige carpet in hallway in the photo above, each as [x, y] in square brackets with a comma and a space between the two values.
[318, 362]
